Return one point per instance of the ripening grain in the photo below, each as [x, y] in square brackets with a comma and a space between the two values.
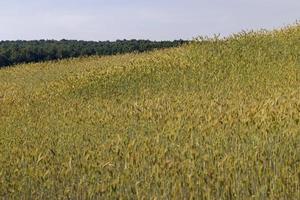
[218, 119]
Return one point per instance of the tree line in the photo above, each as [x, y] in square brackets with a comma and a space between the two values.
[15, 52]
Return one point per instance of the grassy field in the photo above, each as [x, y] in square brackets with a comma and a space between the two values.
[217, 119]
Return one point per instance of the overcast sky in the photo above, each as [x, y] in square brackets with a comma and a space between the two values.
[140, 19]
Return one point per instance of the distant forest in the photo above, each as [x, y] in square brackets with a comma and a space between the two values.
[15, 52]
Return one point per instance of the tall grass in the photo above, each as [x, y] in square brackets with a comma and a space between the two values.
[217, 119]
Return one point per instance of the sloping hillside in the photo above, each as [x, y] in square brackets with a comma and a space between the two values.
[217, 119]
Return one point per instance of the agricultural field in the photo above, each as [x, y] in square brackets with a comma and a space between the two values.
[213, 119]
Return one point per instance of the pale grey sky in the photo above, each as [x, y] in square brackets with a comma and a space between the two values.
[140, 19]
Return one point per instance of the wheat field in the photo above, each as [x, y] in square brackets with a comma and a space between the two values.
[213, 119]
